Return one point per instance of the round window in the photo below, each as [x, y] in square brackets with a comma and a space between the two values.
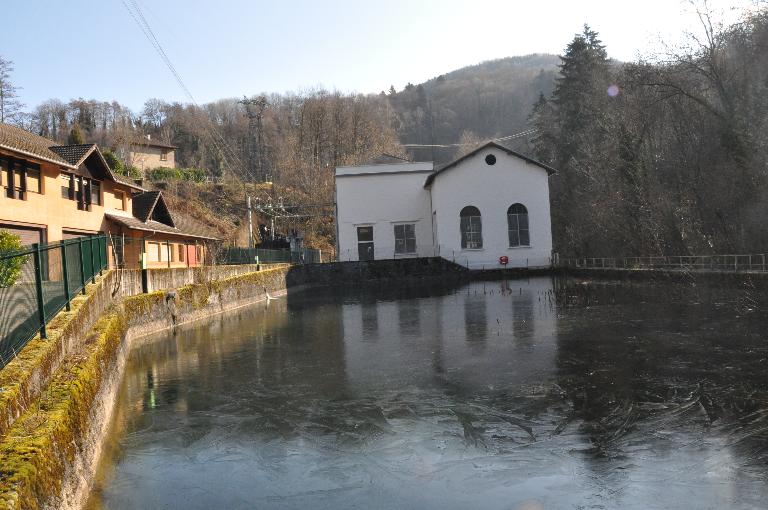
[490, 159]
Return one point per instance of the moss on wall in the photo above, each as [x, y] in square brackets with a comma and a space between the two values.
[40, 447]
[22, 379]
[36, 451]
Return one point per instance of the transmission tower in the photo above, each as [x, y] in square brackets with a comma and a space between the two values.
[257, 164]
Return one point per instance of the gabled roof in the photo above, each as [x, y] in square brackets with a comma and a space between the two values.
[144, 204]
[143, 142]
[22, 141]
[74, 154]
[151, 206]
[68, 156]
[494, 145]
[386, 159]
[155, 226]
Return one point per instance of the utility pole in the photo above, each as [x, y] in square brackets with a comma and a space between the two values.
[250, 222]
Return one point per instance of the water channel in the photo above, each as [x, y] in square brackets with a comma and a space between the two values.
[520, 394]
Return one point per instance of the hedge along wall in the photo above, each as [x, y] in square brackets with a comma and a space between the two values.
[49, 454]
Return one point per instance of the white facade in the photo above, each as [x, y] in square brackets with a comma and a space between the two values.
[490, 179]
[382, 196]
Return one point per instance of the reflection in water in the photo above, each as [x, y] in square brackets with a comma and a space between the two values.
[519, 394]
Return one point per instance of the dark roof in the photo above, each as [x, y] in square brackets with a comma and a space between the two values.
[494, 145]
[20, 140]
[153, 226]
[386, 159]
[144, 203]
[69, 156]
[151, 206]
[153, 143]
[74, 154]
[127, 181]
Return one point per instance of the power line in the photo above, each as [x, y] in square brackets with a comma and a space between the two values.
[447, 145]
[221, 144]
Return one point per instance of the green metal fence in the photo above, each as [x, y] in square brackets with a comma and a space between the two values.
[235, 255]
[38, 282]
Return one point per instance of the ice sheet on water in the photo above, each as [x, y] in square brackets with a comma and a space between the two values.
[494, 395]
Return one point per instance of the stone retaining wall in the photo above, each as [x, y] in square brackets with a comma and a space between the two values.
[51, 446]
[354, 273]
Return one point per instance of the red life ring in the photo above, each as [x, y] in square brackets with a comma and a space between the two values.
[503, 260]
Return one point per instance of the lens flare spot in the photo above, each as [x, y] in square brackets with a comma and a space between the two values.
[613, 90]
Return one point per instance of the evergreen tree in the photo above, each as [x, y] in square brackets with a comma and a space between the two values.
[571, 136]
[75, 136]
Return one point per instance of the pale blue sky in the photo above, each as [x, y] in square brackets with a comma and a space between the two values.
[228, 48]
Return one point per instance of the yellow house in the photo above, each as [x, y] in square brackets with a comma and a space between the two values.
[51, 192]
[146, 154]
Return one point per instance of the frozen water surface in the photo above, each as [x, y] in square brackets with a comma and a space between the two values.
[523, 394]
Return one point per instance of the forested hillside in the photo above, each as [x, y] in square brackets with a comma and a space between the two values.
[488, 100]
[661, 156]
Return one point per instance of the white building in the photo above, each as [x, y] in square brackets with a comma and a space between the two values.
[488, 204]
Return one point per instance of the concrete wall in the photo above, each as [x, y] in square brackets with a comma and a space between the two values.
[27, 374]
[492, 189]
[160, 279]
[379, 271]
[383, 196]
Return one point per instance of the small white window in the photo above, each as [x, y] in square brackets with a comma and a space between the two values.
[405, 238]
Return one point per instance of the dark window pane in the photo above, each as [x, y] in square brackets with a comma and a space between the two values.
[524, 238]
[522, 220]
[514, 238]
[95, 193]
[410, 246]
[470, 210]
[365, 233]
[410, 230]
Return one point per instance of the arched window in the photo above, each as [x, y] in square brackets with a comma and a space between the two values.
[471, 228]
[517, 223]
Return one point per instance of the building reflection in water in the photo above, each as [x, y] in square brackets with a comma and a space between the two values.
[448, 335]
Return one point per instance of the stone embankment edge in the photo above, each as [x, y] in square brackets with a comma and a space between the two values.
[24, 377]
[49, 454]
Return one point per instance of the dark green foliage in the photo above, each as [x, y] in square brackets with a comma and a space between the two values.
[119, 167]
[75, 135]
[163, 173]
[10, 268]
[113, 161]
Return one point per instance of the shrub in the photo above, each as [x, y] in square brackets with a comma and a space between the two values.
[10, 268]
[119, 167]
[164, 173]
[132, 172]
[113, 161]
